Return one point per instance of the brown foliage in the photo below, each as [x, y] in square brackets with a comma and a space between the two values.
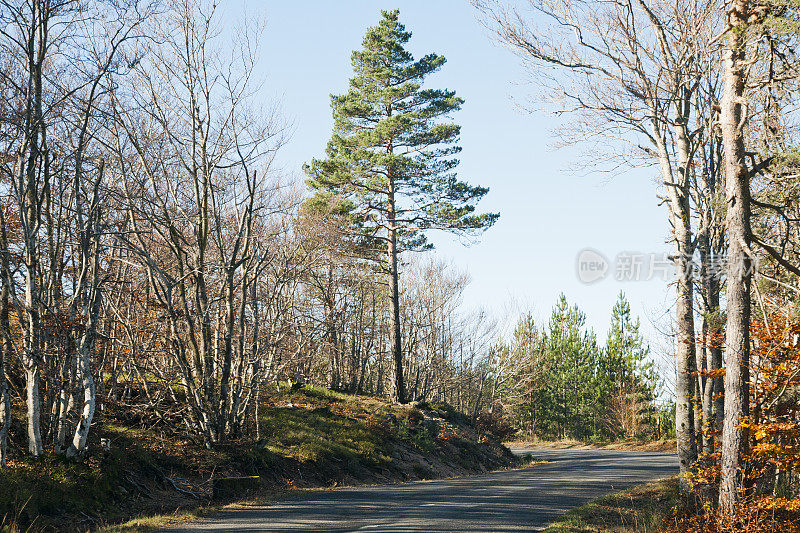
[772, 468]
[495, 423]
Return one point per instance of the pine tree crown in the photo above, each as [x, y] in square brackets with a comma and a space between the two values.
[391, 134]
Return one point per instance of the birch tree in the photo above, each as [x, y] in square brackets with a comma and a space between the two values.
[26, 30]
[194, 178]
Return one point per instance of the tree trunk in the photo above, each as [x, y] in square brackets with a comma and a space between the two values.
[90, 309]
[685, 359]
[5, 343]
[5, 413]
[395, 331]
[81, 436]
[680, 218]
[30, 165]
[63, 405]
[709, 307]
[737, 189]
[677, 181]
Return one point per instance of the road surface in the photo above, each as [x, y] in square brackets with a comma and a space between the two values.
[518, 500]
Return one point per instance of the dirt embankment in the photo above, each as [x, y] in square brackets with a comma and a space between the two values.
[312, 437]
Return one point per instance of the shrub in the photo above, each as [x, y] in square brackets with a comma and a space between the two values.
[382, 425]
[421, 436]
[447, 411]
[411, 415]
[772, 503]
[495, 424]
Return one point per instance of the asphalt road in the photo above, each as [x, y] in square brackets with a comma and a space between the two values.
[519, 500]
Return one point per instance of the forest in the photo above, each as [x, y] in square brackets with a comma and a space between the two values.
[159, 269]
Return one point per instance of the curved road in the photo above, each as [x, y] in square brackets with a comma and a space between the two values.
[517, 500]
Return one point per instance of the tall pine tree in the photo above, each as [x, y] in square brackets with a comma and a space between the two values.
[390, 163]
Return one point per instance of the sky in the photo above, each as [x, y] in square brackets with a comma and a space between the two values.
[548, 213]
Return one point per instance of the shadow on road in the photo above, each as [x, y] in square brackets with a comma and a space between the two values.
[520, 500]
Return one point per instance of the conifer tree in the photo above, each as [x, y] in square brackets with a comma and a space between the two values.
[572, 350]
[626, 350]
[625, 371]
[528, 391]
[390, 163]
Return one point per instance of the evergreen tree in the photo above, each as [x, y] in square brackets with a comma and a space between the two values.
[626, 377]
[573, 352]
[529, 367]
[560, 384]
[390, 163]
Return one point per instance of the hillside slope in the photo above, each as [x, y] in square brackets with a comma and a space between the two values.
[310, 437]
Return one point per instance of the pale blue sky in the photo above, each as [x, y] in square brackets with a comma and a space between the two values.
[548, 214]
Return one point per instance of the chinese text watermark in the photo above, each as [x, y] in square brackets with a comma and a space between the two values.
[592, 266]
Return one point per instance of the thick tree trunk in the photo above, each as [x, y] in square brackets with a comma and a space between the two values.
[737, 336]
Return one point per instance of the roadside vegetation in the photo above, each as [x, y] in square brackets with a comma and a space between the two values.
[310, 437]
[703, 94]
[647, 508]
[556, 382]
[633, 445]
[664, 507]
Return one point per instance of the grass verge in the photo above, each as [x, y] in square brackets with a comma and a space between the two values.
[642, 509]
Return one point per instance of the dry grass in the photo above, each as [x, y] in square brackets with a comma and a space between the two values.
[154, 523]
[631, 446]
[642, 509]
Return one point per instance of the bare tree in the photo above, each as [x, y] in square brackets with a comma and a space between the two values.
[197, 193]
[708, 182]
[6, 347]
[26, 31]
[629, 70]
